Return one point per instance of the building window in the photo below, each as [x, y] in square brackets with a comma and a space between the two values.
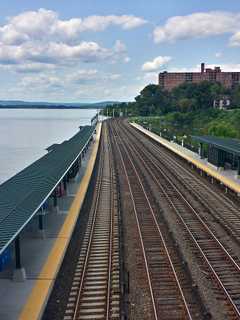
[189, 77]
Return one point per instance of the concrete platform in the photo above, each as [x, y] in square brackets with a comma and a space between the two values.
[226, 177]
[42, 252]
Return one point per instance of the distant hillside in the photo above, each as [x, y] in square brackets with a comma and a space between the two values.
[16, 104]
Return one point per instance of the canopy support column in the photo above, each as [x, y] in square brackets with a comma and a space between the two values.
[65, 184]
[41, 228]
[201, 152]
[19, 274]
[55, 202]
[238, 168]
[80, 161]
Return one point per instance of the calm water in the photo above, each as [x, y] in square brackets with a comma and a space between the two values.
[25, 134]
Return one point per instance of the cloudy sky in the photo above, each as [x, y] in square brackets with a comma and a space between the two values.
[74, 50]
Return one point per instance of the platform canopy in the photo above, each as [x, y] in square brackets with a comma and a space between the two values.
[24, 194]
[226, 144]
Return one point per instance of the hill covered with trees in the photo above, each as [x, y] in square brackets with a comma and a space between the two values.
[153, 100]
[188, 109]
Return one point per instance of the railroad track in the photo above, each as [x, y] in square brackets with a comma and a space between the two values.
[95, 292]
[221, 266]
[221, 208]
[165, 287]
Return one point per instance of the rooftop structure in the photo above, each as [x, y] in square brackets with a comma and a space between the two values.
[226, 144]
[170, 80]
[222, 152]
[22, 196]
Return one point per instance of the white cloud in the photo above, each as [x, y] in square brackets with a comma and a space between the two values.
[42, 82]
[227, 67]
[148, 77]
[84, 84]
[156, 63]
[231, 67]
[34, 24]
[100, 23]
[218, 54]
[106, 92]
[43, 24]
[41, 37]
[87, 76]
[44, 52]
[54, 53]
[29, 67]
[120, 47]
[86, 51]
[114, 76]
[197, 25]
[235, 40]
[84, 79]
[83, 76]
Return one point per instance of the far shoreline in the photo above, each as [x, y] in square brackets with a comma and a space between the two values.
[50, 107]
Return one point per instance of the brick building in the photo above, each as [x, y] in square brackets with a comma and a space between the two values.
[170, 80]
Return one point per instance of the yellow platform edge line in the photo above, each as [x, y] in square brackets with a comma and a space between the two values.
[226, 181]
[38, 297]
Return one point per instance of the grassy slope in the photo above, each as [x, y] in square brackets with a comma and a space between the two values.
[208, 122]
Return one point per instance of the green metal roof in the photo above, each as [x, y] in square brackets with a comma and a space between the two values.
[23, 195]
[228, 145]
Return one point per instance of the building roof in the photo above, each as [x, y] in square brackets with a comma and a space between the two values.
[23, 195]
[228, 145]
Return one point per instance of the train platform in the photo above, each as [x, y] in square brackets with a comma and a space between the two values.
[226, 177]
[42, 253]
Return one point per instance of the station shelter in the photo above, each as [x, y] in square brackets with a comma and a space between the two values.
[221, 152]
[30, 192]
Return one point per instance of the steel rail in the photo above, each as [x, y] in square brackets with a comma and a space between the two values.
[236, 310]
[110, 246]
[227, 202]
[186, 308]
[140, 234]
[91, 238]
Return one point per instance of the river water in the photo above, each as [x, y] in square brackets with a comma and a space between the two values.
[25, 134]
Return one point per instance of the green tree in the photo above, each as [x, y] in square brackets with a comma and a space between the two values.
[186, 104]
[235, 97]
[222, 130]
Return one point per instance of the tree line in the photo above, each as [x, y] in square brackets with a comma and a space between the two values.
[187, 97]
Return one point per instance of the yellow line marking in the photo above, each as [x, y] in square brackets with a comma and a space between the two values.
[37, 299]
[226, 181]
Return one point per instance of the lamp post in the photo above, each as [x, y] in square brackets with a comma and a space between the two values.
[164, 130]
[183, 138]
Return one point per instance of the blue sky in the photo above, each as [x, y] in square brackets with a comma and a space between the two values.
[109, 50]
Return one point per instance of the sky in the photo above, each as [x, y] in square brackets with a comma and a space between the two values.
[98, 50]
